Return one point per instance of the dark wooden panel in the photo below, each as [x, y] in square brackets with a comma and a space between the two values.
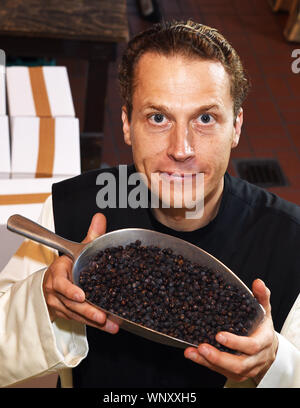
[91, 20]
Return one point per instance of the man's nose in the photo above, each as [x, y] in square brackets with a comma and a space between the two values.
[180, 144]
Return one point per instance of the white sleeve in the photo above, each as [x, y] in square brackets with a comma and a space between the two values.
[30, 345]
[285, 370]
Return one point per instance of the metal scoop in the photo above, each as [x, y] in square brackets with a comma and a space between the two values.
[82, 253]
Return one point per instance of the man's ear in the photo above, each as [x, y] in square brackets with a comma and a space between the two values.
[237, 129]
[126, 126]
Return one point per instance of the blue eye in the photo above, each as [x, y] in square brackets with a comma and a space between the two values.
[158, 117]
[205, 118]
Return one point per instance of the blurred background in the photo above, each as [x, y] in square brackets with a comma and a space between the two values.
[88, 37]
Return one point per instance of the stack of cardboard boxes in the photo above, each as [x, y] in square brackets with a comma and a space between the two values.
[44, 130]
[39, 142]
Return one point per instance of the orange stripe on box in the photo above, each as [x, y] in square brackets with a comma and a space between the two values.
[36, 252]
[39, 91]
[33, 198]
[45, 160]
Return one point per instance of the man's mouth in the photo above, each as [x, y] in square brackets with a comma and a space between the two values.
[176, 176]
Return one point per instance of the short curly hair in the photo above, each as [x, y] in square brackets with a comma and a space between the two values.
[188, 39]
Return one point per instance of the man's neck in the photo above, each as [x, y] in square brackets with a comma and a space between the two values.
[176, 218]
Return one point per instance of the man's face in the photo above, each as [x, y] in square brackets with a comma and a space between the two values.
[182, 120]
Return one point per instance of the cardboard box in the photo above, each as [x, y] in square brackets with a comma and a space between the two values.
[25, 197]
[4, 148]
[45, 147]
[39, 91]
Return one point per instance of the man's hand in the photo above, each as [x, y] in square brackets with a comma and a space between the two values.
[66, 300]
[257, 351]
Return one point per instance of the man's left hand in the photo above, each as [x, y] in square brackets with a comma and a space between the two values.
[256, 352]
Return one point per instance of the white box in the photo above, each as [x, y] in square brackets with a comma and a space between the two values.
[25, 197]
[45, 147]
[39, 91]
[4, 148]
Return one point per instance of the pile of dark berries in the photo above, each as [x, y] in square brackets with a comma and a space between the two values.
[166, 292]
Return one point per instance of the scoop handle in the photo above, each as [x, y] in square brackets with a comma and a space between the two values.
[30, 229]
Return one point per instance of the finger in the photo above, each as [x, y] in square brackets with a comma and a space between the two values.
[87, 314]
[57, 307]
[249, 345]
[262, 294]
[108, 326]
[194, 355]
[232, 366]
[62, 315]
[226, 361]
[97, 227]
[65, 287]
[84, 309]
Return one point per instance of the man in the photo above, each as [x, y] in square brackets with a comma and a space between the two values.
[183, 86]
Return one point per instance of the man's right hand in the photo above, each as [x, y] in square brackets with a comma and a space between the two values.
[66, 300]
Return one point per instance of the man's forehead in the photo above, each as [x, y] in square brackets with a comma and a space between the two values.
[163, 75]
[151, 58]
[153, 66]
